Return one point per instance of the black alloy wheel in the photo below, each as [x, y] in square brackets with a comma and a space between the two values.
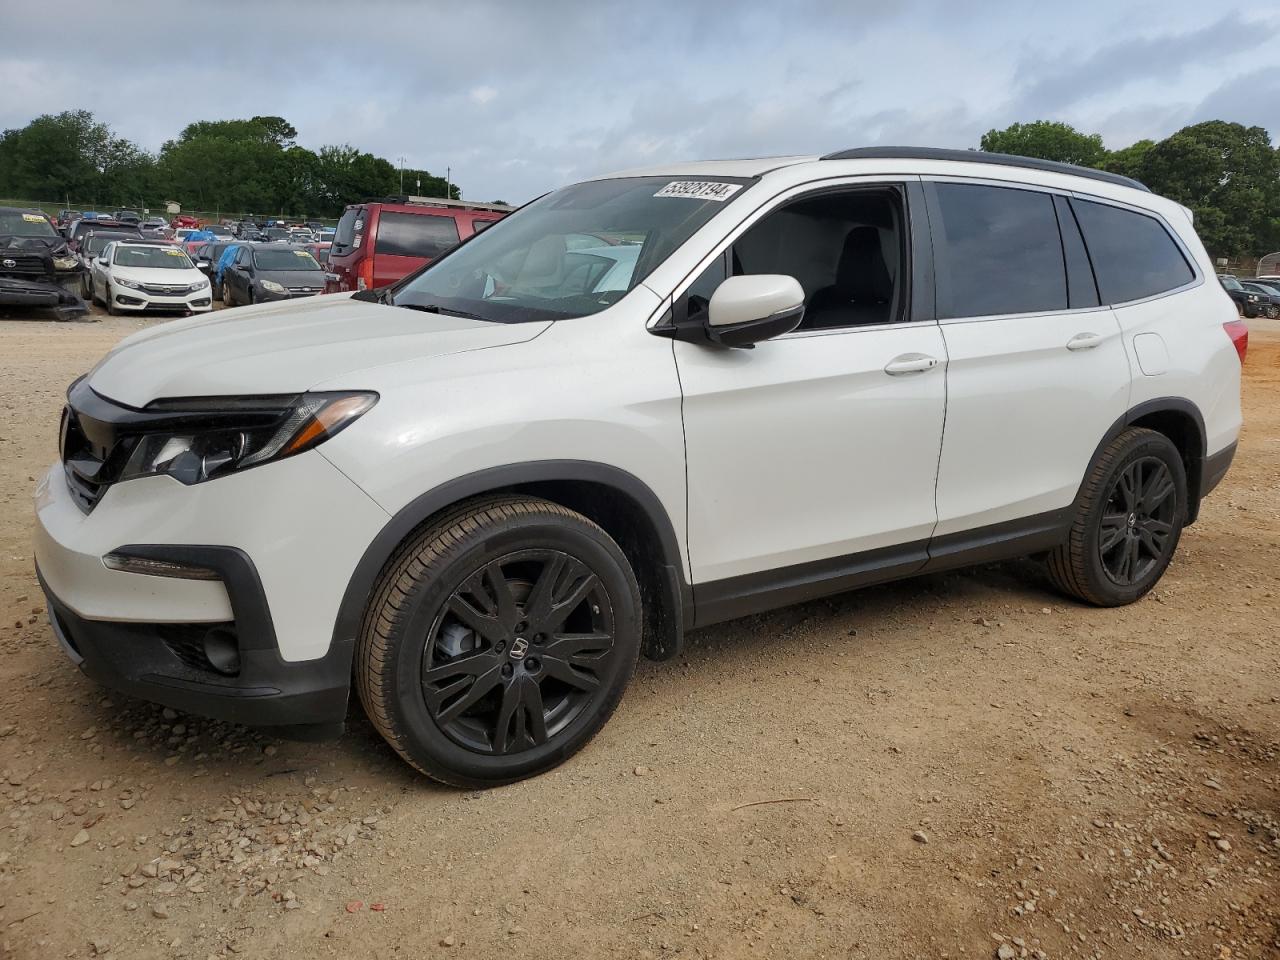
[1137, 527]
[516, 653]
[499, 640]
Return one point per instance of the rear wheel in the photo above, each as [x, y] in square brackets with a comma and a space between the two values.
[227, 300]
[499, 641]
[1128, 521]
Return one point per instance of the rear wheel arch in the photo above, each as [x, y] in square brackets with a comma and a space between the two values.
[1182, 422]
[618, 501]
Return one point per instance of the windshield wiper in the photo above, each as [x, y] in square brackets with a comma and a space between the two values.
[436, 308]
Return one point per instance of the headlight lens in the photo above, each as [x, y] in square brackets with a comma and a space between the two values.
[1253, 298]
[211, 437]
[65, 263]
[199, 284]
[121, 281]
[273, 286]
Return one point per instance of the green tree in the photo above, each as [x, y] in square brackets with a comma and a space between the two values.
[1128, 161]
[1229, 175]
[1046, 140]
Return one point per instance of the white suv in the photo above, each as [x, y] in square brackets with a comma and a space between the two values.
[134, 276]
[638, 405]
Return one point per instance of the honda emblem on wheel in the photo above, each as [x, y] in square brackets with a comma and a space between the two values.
[519, 647]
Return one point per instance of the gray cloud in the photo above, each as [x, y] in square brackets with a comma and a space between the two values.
[520, 97]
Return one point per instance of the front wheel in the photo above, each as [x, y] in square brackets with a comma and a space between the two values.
[1128, 521]
[499, 641]
[109, 300]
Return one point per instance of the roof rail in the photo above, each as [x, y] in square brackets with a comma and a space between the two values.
[442, 202]
[981, 156]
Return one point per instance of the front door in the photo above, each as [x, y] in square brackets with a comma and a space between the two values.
[812, 458]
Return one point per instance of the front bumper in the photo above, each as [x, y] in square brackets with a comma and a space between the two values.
[262, 295]
[43, 294]
[140, 301]
[284, 540]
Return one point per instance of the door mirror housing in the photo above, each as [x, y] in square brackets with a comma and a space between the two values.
[746, 310]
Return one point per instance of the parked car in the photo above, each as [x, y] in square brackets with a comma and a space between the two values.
[1268, 298]
[263, 272]
[91, 246]
[65, 217]
[184, 220]
[155, 226]
[132, 276]
[205, 257]
[1248, 304]
[80, 228]
[221, 231]
[487, 489]
[318, 250]
[131, 217]
[37, 267]
[271, 234]
[377, 244]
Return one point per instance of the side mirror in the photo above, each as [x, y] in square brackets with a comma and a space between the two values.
[102, 261]
[746, 310]
[203, 264]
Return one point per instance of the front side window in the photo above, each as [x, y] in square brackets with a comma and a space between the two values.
[571, 253]
[1133, 255]
[997, 251]
[163, 258]
[845, 248]
[415, 234]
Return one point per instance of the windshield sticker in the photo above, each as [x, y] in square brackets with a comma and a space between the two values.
[699, 190]
[301, 253]
[173, 253]
[33, 218]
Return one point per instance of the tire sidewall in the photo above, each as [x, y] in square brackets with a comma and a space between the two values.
[1151, 445]
[424, 741]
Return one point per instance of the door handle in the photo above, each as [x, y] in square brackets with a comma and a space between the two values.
[1084, 341]
[910, 363]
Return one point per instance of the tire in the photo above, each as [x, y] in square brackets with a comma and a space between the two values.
[469, 590]
[108, 298]
[1129, 518]
[1272, 311]
[228, 299]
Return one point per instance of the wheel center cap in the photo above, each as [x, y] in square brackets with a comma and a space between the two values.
[519, 647]
[1133, 519]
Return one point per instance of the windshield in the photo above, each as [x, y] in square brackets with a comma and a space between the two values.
[571, 253]
[165, 258]
[15, 223]
[277, 233]
[282, 259]
[95, 243]
[219, 231]
[1231, 283]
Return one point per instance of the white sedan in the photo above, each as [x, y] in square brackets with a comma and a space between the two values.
[133, 276]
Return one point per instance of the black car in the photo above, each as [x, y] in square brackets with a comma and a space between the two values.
[206, 258]
[1248, 303]
[37, 268]
[80, 228]
[131, 217]
[265, 272]
[1269, 302]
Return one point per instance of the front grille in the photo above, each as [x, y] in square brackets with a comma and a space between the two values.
[304, 290]
[166, 290]
[23, 264]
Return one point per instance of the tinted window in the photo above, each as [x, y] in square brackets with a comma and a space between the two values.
[1133, 255]
[415, 235]
[478, 225]
[346, 231]
[998, 251]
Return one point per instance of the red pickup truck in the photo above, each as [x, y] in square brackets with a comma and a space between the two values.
[379, 242]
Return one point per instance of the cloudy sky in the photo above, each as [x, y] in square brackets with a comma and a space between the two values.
[520, 97]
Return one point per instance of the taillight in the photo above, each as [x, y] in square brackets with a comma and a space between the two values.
[1238, 331]
[364, 274]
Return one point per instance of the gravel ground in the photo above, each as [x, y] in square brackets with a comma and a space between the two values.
[963, 765]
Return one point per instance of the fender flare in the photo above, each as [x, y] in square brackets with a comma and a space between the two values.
[494, 480]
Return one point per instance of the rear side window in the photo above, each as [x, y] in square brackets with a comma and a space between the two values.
[998, 251]
[1133, 255]
[415, 235]
[345, 233]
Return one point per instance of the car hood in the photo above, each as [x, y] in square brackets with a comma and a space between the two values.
[161, 276]
[285, 347]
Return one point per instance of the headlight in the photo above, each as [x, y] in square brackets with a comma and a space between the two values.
[273, 286]
[1253, 298]
[125, 283]
[213, 436]
[65, 263]
[199, 284]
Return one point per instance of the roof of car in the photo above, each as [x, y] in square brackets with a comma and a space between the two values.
[762, 165]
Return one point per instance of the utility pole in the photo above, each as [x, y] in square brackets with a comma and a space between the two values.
[448, 182]
[402, 161]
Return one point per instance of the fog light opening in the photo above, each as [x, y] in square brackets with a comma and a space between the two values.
[222, 651]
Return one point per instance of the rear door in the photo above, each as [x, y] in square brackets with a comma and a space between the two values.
[1037, 369]
[405, 241]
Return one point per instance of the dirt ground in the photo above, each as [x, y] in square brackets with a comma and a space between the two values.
[964, 765]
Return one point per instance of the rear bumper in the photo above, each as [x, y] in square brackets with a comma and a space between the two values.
[1215, 468]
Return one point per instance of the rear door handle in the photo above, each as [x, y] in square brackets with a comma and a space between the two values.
[1084, 341]
[909, 363]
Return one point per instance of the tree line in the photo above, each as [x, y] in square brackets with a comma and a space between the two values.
[240, 166]
[1226, 173]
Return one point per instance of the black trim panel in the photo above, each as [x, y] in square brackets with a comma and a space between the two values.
[999, 541]
[1215, 468]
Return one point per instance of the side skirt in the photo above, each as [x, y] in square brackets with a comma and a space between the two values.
[732, 597]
